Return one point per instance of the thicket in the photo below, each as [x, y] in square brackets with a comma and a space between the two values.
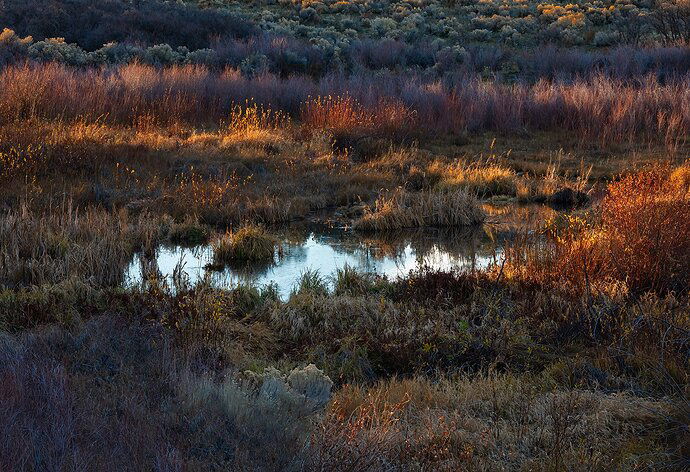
[505, 40]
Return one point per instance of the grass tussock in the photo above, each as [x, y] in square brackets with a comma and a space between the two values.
[490, 178]
[482, 180]
[402, 209]
[249, 243]
[255, 123]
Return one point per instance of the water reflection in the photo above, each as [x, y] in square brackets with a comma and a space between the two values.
[326, 250]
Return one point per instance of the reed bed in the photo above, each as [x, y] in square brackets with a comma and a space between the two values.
[402, 209]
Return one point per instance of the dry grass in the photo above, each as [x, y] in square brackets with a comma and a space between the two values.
[495, 423]
[599, 110]
[495, 175]
[590, 323]
[254, 123]
[118, 393]
[82, 392]
[93, 246]
[346, 116]
[401, 209]
[115, 397]
[479, 179]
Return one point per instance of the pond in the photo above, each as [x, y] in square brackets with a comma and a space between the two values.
[309, 247]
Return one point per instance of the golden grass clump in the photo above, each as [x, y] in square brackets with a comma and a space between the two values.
[253, 122]
[249, 243]
[483, 180]
[402, 209]
[680, 178]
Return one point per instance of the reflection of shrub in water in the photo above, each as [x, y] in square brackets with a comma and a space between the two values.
[462, 243]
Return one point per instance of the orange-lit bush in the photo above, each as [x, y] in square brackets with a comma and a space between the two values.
[640, 236]
[646, 221]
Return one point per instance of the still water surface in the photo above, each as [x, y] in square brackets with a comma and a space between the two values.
[327, 250]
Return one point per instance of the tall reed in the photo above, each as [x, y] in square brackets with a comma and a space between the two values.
[93, 246]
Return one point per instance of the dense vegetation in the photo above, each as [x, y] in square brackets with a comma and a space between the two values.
[212, 122]
[508, 39]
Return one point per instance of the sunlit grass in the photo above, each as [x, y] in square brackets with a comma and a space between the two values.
[403, 209]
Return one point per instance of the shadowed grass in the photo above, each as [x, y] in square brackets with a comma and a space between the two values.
[94, 246]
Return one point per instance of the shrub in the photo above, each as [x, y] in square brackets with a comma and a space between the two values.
[92, 24]
[640, 236]
[646, 223]
[362, 107]
[56, 49]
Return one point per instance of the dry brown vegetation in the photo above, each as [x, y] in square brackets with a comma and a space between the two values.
[569, 353]
[603, 110]
[405, 210]
[91, 245]
[550, 411]
[249, 243]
